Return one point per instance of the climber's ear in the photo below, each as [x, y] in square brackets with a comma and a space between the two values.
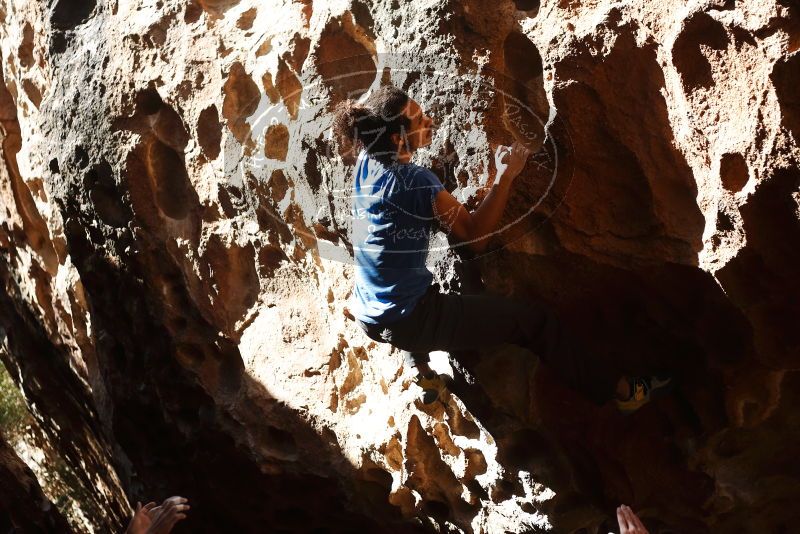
[396, 139]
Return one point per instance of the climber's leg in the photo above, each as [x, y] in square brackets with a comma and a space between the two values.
[457, 322]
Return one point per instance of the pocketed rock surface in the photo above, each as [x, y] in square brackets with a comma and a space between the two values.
[176, 259]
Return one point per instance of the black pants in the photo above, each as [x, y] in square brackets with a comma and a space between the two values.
[452, 322]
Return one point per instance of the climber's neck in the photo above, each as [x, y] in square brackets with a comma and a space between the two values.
[403, 155]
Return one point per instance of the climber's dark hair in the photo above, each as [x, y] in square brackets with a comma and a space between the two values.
[370, 124]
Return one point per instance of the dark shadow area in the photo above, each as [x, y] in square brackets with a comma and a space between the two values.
[670, 318]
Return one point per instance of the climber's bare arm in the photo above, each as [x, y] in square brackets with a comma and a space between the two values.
[476, 228]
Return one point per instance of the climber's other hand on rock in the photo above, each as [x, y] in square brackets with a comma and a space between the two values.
[629, 523]
[177, 500]
[165, 516]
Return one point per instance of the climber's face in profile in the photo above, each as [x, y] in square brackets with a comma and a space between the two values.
[420, 132]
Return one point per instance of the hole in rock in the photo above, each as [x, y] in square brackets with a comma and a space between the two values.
[33, 92]
[275, 227]
[69, 13]
[750, 412]
[148, 101]
[278, 185]
[81, 157]
[231, 370]
[724, 222]
[298, 51]
[193, 12]
[230, 200]
[502, 491]
[363, 17]
[476, 463]
[700, 31]
[174, 193]
[460, 424]
[232, 282]
[276, 142]
[25, 50]
[289, 87]
[345, 64]
[476, 489]
[436, 509]
[411, 79]
[527, 5]
[733, 172]
[169, 128]
[270, 258]
[241, 100]
[311, 167]
[378, 475]
[522, 58]
[217, 7]
[209, 132]
[246, 19]
[58, 43]
[269, 88]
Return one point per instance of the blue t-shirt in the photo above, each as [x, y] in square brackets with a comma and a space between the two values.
[392, 223]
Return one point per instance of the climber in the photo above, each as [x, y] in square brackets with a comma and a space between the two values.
[396, 206]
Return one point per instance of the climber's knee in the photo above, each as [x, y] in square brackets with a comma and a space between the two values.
[539, 326]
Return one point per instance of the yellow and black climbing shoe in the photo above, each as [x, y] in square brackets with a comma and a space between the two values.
[433, 386]
[643, 389]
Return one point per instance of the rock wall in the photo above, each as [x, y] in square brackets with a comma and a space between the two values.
[175, 259]
[23, 503]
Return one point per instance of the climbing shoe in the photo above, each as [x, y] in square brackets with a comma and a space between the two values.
[643, 390]
[433, 386]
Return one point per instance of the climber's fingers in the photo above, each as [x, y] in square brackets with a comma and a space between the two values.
[629, 523]
[622, 519]
[637, 523]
